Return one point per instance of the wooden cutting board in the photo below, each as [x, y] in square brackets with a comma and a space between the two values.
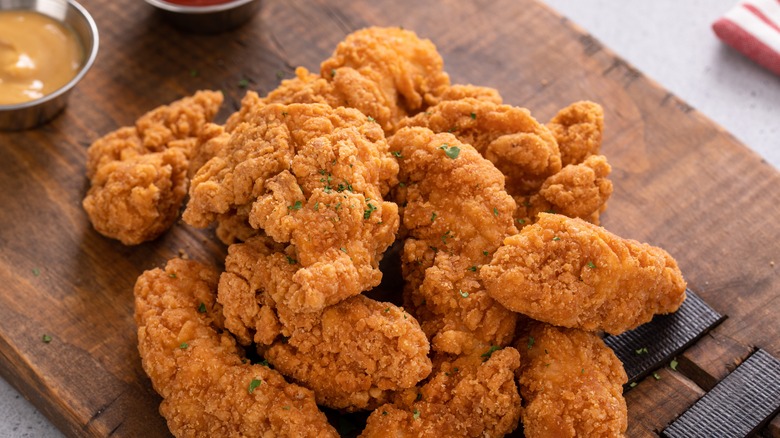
[681, 182]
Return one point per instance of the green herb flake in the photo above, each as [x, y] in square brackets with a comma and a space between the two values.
[397, 154]
[172, 275]
[486, 355]
[463, 294]
[344, 250]
[36, 272]
[473, 116]
[531, 342]
[521, 221]
[445, 236]
[473, 268]
[243, 83]
[317, 206]
[367, 212]
[452, 152]
[591, 265]
[184, 345]
[416, 414]
[284, 113]
[556, 238]
[297, 206]
[387, 309]
[291, 260]
[384, 412]
[673, 364]
[402, 184]
[641, 351]
[633, 384]
[46, 338]
[582, 371]
[485, 253]
[495, 212]
[333, 72]
[371, 119]
[286, 408]
[202, 308]
[254, 384]
[265, 363]
[656, 376]
[433, 216]
[419, 396]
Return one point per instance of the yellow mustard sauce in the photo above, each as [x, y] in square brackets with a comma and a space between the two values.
[38, 55]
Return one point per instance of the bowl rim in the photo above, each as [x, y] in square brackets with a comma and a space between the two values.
[90, 59]
[183, 9]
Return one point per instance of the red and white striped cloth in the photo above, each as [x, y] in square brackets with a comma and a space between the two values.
[753, 28]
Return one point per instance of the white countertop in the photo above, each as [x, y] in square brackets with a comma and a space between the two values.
[668, 40]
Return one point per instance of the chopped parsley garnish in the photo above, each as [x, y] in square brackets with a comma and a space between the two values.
[371, 119]
[473, 268]
[184, 345]
[556, 238]
[495, 212]
[46, 338]
[36, 272]
[531, 341]
[384, 412]
[344, 249]
[591, 265]
[464, 294]
[673, 364]
[433, 216]
[172, 275]
[473, 116]
[333, 72]
[656, 376]
[202, 308]
[286, 408]
[397, 154]
[642, 350]
[296, 206]
[485, 253]
[445, 236]
[521, 221]
[633, 384]
[291, 260]
[243, 83]
[265, 363]
[452, 152]
[387, 309]
[367, 212]
[317, 206]
[416, 414]
[419, 396]
[254, 384]
[486, 355]
[582, 371]
[434, 249]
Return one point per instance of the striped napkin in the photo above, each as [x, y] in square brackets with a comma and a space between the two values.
[753, 28]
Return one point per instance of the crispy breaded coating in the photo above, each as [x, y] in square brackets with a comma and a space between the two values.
[208, 387]
[471, 397]
[461, 91]
[353, 354]
[385, 73]
[571, 273]
[520, 147]
[578, 129]
[138, 174]
[309, 175]
[407, 70]
[457, 213]
[571, 384]
[578, 190]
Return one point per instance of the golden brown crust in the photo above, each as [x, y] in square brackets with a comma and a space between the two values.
[570, 273]
[208, 388]
[472, 396]
[138, 174]
[571, 384]
[352, 354]
[578, 129]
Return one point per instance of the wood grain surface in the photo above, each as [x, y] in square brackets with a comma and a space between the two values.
[681, 183]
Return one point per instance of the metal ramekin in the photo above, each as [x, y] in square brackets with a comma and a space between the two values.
[207, 19]
[36, 112]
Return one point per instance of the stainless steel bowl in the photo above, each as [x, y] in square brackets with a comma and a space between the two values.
[208, 19]
[35, 112]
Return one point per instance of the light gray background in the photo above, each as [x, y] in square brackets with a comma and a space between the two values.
[671, 42]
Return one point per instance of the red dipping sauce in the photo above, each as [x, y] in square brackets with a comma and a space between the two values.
[198, 2]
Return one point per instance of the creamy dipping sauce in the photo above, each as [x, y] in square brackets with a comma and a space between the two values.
[38, 55]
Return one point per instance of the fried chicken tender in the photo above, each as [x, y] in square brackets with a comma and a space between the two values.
[470, 397]
[138, 174]
[578, 190]
[570, 273]
[385, 73]
[571, 384]
[578, 129]
[457, 213]
[312, 176]
[520, 147]
[353, 354]
[208, 388]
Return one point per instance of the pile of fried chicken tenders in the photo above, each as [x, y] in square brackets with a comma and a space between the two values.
[509, 282]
